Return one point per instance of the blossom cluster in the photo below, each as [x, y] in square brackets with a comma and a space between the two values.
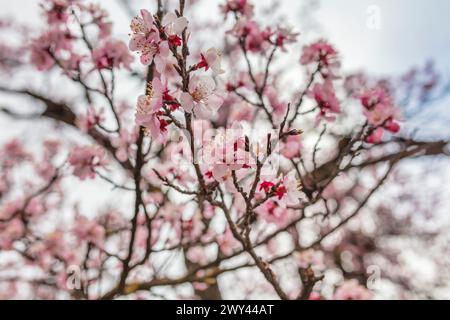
[68, 21]
[215, 158]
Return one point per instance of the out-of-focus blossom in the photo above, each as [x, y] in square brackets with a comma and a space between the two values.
[279, 107]
[91, 119]
[272, 212]
[44, 48]
[85, 160]
[327, 102]
[292, 147]
[99, 18]
[310, 258]
[87, 230]
[256, 39]
[380, 111]
[112, 54]
[285, 36]
[227, 242]
[322, 53]
[57, 11]
[243, 7]
[352, 290]
[123, 143]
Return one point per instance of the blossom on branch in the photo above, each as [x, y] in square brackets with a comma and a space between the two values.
[147, 41]
[202, 97]
[327, 102]
[85, 161]
[112, 54]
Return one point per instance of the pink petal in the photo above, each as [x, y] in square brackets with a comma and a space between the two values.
[148, 18]
[186, 101]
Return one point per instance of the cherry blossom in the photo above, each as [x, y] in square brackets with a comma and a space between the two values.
[327, 102]
[279, 107]
[243, 7]
[91, 119]
[285, 36]
[88, 230]
[292, 147]
[123, 143]
[57, 12]
[85, 160]
[322, 54]
[48, 44]
[99, 18]
[352, 290]
[272, 212]
[112, 53]
[255, 38]
[211, 59]
[173, 27]
[147, 41]
[148, 114]
[380, 112]
[202, 97]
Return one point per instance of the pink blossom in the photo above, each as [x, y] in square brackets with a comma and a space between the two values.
[279, 108]
[85, 160]
[285, 36]
[226, 152]
[35, 207]
[256, 40]
[380, 112]
[71, 65]
[146, 40]
[48, 44]
[91, 119]
[352, 290]
[326, 100]
[197, 255]
[227, 242]
[9, 232]
[173, 27]
[89, 230]
[13, 153]
[322, 53]
[202, 97]
[272, 212]
[212, 59]
[242, 111]
[292, 189]
[243, 7]
[112, 53]
[123, 143]
[99, 17]
[376, 137]
[292, 147]
[148, 113]
[57, 13]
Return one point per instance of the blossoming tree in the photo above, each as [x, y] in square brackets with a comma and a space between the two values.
[241, 181]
